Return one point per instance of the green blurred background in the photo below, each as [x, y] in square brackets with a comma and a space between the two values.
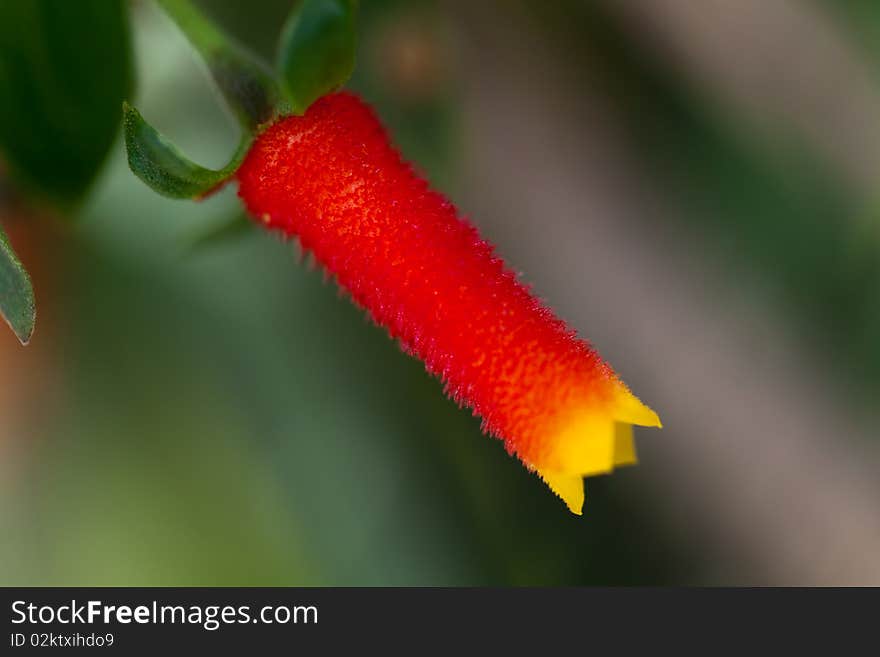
[692, 185]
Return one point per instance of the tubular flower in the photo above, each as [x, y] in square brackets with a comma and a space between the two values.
[332, 179]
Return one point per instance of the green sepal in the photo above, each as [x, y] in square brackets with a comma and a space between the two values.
[245, 82]
[164, 168]
[16, 293]
[317, 50]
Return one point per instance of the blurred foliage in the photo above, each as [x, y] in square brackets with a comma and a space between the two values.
[770, 203]
[65, 68]
[861, 18]
[61, 94]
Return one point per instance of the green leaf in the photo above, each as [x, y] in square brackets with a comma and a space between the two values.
[64, 69]
[166, 170]
[317, 50]
[246, 84]
[16, 294]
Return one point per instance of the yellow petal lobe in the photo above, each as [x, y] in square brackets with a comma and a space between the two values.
[569, 488]
[593, 441]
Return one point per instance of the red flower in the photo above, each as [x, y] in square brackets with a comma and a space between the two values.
[332, 179]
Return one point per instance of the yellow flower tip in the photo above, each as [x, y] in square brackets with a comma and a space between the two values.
[586, 445]
[624, 445]
[629, 409]
[591, 444]
[594, 441]
[569, 488]
[591, 454]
